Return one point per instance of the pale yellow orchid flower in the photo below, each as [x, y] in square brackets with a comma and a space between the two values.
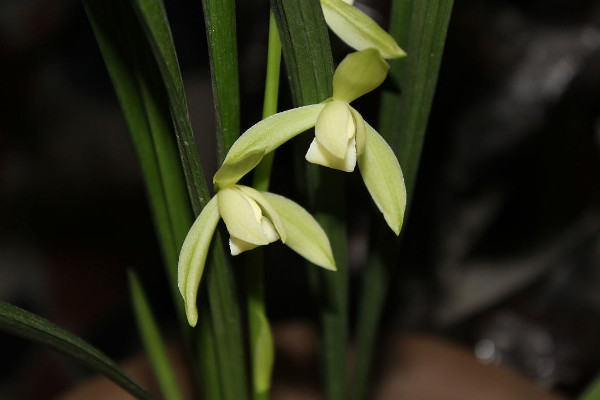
[253, 219]
[342, 137]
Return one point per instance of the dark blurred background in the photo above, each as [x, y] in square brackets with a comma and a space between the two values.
[502, 247]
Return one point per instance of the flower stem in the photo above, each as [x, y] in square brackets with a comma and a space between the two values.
[262, 174]
[261, 340]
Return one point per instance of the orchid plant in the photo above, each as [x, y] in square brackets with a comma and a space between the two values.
[221, 338]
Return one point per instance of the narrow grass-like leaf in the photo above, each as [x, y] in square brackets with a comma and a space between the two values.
[306, 49]
[24, 324]
[141, 61]
[153, 19]
[592, 392]
[219, 19]
[307, 55]
[153, 342]
[420, 28]
[220, 287]
[143, 99]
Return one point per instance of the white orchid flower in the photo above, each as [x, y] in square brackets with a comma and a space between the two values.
[357, 29]
[253, 219]
[342, 137]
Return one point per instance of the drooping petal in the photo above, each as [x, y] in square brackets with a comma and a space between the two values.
[193, 257]
[239, 216]
[358, 74]
[318, 154]
[265, 136]
[238, 246]
[304, 234]
[268, 208]
[334, 127]
[232, 171]
[382, 175]
[359, 123]
[357, 29]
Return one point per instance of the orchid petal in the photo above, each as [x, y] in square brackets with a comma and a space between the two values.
[334, 127]
[304, 234]
[358, 74]
[238, 246]
[265, 136]
[238, 214]
[193, 257]
[318, 154]
[383, 176]
[231, 172]
[359, 123]
[358, 30]
[268, 209]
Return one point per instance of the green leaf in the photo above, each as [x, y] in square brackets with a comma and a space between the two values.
[219, 21]
[221, 290]
[592, 392]
[382, 175]
[264, 137]
[357, 29]
[144, 101]
[153, 19]
[153, 342]
[307, 54]
[358, 74]
[306, 49]
[420, 28]
[24, 324]
[193, 257]
[304, 234]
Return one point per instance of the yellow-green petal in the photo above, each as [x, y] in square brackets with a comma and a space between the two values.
[359, 123]
[382, 175]
[319, 155]
[193, 257]
[358, 30]
[265, 136]
[358, 74]
[334, 127]
[268, 208]
[239, 217]
[304, 234]
[232, 171]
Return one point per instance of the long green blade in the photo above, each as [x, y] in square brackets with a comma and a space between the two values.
[225, 314]
[143, 95]
[19, 322]
[153, 18]
[592, 392]
[153, 342]
[219, 19]
[420, 28]
[307, 54]
[143, 99]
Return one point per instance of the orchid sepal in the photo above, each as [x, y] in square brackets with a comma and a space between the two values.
[383, 177]
[357, 29]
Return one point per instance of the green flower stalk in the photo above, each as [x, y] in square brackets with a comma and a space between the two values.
[253, 219]
[357, 29]
[342, 137]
